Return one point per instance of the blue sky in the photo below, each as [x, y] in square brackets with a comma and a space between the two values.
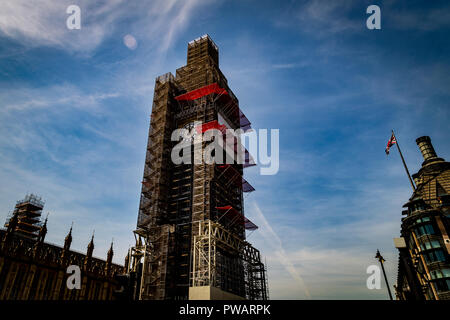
[75, 106]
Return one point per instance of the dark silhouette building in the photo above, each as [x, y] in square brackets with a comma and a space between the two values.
[424, 246]
[191, 229]
[31, 269]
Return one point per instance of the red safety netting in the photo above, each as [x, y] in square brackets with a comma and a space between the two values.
[248, 159]
[211, 125]
[146, 183]
[233, 214]
[201, 92]
[231, 107]
[235, 177]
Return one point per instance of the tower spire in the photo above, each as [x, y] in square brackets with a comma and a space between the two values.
[109, 258]
[110, 252]
[67, 243]
[68, 239]
[90, 250]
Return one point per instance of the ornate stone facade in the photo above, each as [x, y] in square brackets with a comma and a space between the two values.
[424, 265]
[31, 269]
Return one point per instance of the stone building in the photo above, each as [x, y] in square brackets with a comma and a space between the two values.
[31, 269]
[424, 246]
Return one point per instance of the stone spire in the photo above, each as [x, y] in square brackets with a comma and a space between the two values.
[68, 239]
[12, 224]
[90, 247]
[110, 253]
[109, 259]
[67, 243]
[90, 250]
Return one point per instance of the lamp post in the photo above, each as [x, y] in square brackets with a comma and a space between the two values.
[381, 259]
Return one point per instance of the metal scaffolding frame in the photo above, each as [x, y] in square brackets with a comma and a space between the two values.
[174, 198]
[211, 244]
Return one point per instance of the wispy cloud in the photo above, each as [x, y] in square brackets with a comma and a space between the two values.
[418, 19]
[26, 99]
[75, 107]
[330, 242]
[273, 239]
[179, 21]
[53, 143]
[44, 23]
[321, 18]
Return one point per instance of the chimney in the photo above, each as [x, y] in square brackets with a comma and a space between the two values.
[428, 153]
[426, 148]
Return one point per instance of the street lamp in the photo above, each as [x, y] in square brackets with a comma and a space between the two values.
[381, 259]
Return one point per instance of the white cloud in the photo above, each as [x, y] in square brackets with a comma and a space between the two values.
[281, 256]
[44, 22]
[25, 99]
[329, 239]
[178, 22]
[321, 17]
[332, 273]
[329, 260]
[53, 143]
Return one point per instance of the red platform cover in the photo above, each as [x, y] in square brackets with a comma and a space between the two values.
[201, 92]
[233, 213]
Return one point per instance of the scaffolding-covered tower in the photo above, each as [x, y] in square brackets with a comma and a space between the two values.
[191, 229]
[28, 213]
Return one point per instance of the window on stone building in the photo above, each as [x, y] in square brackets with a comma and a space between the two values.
[442, 285]
[439, 274]
[424, 219]
[424, 229]
[430, 245]
[435, 255]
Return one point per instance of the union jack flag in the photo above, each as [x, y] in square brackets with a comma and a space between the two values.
[390, 143]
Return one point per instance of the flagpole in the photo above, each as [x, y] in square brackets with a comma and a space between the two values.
[404, 163]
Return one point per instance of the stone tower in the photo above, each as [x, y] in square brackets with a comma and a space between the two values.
[191, 210]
